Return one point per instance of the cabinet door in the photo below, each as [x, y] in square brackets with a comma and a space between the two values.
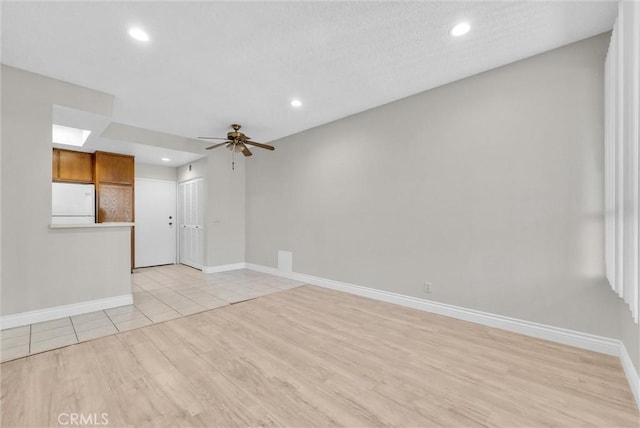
[115, 203]
[72, 166]
[114, 168]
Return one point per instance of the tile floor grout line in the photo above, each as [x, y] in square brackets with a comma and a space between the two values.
[143, 314]
[184, 296]
[111, 319]
[112, 323]
[73, 325]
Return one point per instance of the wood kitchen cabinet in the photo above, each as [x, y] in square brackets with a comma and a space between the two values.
[114, 180]
[71, 166]
[115, 203]
[114, 168]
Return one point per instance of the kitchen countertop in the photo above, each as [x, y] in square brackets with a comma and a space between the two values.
[91, 225]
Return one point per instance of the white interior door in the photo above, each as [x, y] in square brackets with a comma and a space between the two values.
[155, 231]
[191, 222]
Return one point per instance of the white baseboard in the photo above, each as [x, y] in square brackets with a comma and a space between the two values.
[56, 312]
[274, 271]
[224, 268]
[542, 331]
[630, 372]
[564, 336]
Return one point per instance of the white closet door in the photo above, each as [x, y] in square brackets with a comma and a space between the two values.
[190, 222]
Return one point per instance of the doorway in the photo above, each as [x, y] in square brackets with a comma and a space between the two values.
[155, 230]
[191, 222]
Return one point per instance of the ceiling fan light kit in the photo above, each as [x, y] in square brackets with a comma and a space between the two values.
[236, 141]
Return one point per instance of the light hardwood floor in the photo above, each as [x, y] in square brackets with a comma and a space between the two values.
[312, 357]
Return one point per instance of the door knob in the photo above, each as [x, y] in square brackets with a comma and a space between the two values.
[170, 223]
[170, 217]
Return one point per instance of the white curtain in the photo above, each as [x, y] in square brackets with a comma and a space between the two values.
[622, 113]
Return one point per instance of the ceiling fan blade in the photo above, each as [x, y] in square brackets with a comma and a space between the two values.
[262, 146]
[212, 138]
[245, 150]
[217, 145]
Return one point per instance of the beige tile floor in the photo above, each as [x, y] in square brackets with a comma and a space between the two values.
[159, 294]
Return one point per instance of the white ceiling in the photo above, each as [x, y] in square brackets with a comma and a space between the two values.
[97, 124]
[210, 64]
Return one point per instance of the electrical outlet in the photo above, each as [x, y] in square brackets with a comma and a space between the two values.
[427, 287]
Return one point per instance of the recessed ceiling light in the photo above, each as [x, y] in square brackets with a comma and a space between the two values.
[296, 103]
[138, 34]
[166, 160]
[460, 29]
[69, 136]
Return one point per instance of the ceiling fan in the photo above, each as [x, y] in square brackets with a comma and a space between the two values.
[237, 142]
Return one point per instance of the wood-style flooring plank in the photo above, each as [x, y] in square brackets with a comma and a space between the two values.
[312, 357]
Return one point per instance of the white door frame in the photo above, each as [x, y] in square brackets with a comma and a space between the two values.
[175, 183]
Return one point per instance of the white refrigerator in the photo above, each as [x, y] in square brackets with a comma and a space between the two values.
[73, 203]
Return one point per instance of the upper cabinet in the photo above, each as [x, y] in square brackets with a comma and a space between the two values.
[75, 167]
[114, 168]
[114, 187]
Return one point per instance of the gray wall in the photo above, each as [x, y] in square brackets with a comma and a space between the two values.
[490, 187]
[226, 208]
[156, 172]
[198, 170]
[42, 267]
